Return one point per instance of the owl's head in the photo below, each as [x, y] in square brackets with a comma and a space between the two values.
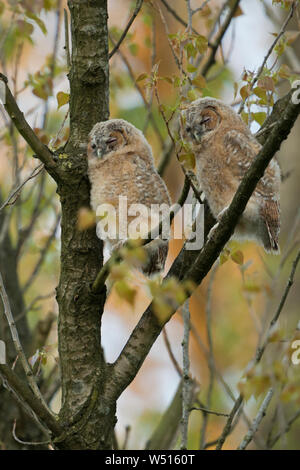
[116, 135]
[203, 117]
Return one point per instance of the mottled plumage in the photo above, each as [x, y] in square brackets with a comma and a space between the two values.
[224, 149]
[120, 163]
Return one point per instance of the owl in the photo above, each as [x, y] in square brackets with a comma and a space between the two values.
[121, 170]
[224, 149]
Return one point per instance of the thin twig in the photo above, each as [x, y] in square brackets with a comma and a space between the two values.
[26, 442]
[260, 350]
[257, 420]
[42, 256]
[140, 91]
[170, 352]
[211, 361]
[227, 428]
[126, 438]
[186, 380]
[138, 6]
[271, 48]
[42, 151]
[210, 59]
[288, 425]
[18, 346]
[211, 412]
[67, 41]
[16, 192]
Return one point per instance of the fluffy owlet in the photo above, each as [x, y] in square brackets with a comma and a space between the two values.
[224, 149]
[120, 164]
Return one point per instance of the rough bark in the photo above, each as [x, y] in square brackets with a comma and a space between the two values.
[88, 422]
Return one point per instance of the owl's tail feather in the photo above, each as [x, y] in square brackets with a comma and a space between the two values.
[157, 252]
[271, 244]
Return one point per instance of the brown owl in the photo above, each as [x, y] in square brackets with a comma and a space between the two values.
[121, 169]
[224, 149]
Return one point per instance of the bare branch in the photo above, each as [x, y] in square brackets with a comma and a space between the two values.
[42, 256]
[18, 346]
[34, 403]
[138, 6]
[186, 380]
[211, 412]
[67, 41]
[42, 151]
[24, 442]
[227, 428]
[210, 59]
[16, 192]
[255, 425]
[279, 35]
[274, 320]
[288, 425]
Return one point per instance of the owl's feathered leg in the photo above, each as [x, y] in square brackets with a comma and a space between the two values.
[157, 252]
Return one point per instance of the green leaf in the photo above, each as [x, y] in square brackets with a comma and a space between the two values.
[224, 256]
[284, 71]
[141, 77]
[266, 83]
[191, 68]
[187, 160]
[199, 82]
[125, 291]
[134, 48]
[259, 117]
[37, 20]
[245, 92]
[201, 44]
[62, 99]
[238, 257]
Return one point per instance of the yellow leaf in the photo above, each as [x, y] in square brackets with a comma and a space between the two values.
[86, 218]
[125, 291]
[187, 160]
[245, 92]
[62, 99]
[238, 257]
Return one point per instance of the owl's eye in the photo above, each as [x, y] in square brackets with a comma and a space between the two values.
[188, 129]
[93, 146]
[205, 120]
[111, 140]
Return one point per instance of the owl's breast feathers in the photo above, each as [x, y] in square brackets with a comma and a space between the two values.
[126, 175]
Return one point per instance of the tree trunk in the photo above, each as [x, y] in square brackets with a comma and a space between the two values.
[89, 423]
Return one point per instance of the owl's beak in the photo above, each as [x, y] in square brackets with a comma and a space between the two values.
[198, 134]
[99, 152]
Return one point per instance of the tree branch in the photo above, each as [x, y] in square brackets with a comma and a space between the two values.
[14, 112]
[138, 6]
[34, 403]
[210, 59]
[255, 425]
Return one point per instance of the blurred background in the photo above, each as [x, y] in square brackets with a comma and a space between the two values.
[238, 297]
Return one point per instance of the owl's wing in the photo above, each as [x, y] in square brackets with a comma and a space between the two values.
[241, 149]
[270, 213]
